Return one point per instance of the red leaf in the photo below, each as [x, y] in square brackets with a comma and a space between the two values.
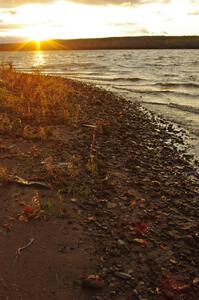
[172, 285]
[140, 228]
[28, 210]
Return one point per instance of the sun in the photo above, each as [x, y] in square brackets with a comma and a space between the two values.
[37, 38]
[38, 33]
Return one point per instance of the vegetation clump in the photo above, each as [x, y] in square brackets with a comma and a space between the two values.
[39, 99]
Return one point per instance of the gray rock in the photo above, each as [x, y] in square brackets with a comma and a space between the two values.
[111, 205]
[123, 275]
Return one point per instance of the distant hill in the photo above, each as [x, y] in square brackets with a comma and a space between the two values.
[141, 42]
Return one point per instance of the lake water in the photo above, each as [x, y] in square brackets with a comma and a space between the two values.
[164, 81]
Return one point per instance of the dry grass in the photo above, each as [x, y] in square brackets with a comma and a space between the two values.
[40, 99]
[4, 175]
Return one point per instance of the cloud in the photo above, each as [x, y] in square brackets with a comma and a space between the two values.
[130, 28]
[15, 3]
[10, 12]
[194, 13]
[11, 39]
[118, 2]
[122, 24]
[8, 27]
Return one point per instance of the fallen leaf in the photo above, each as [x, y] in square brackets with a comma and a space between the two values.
[28, 210]
[23, 219]
[173, 284]
[91, 218]
[163, 247]
[142, 203]
[140, 228]
[133, 204]
[93, 282]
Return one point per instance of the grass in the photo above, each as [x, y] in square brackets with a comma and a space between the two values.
[4, 175]
[37, 98]
[32, 107]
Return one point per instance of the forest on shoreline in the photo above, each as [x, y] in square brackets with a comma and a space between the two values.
[139, 42]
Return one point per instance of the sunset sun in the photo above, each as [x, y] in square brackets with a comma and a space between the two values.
[37, 37]
[37, 33]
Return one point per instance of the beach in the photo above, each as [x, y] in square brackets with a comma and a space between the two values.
[99, 200]
[163, 81]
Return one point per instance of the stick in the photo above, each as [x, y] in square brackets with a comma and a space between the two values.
[18, 252]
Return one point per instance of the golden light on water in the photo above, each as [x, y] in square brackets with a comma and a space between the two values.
[38, 59]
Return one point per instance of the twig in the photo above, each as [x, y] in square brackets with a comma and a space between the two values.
[22, 181]
[18, 252]
[101, 226]
[90, 126]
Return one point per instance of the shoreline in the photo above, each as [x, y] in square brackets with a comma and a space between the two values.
[190, 137]
[113, 43]
[119, 201]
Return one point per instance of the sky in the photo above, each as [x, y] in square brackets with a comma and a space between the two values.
[23, 20]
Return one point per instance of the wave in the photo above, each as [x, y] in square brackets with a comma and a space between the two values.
[95, 76]
[114, 79]
[133, 79]
[171, 84]
[157, 92]
[161, 64]
[182, 107]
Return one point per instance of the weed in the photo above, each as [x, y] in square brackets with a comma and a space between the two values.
[60, 202]
[91, 165]
[62, 173]
[35, 202]
[5, 123]
[4, 175]
[49, 205]
[103, 127]
[40, 133]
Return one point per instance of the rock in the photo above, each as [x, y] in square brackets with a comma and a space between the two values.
[111, 205]
[189, 240]
[196, 281]
[123, 275]
[92, 282]
[121, 243]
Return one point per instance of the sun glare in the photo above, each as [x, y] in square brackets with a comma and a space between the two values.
[37, 33]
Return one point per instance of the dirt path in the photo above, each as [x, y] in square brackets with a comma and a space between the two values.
[53, 265]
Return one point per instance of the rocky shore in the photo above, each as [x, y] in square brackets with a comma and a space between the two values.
[103, 206]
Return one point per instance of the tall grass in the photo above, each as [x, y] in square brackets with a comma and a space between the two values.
[38, 98]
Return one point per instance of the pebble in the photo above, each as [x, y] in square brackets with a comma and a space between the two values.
[121, 242]
[196, 280]
[123, 275]
[92, 282]
[111, 205]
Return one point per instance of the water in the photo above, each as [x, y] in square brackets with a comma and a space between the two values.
[164, 81]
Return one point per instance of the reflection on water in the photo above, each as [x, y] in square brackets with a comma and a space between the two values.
[38, 59]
